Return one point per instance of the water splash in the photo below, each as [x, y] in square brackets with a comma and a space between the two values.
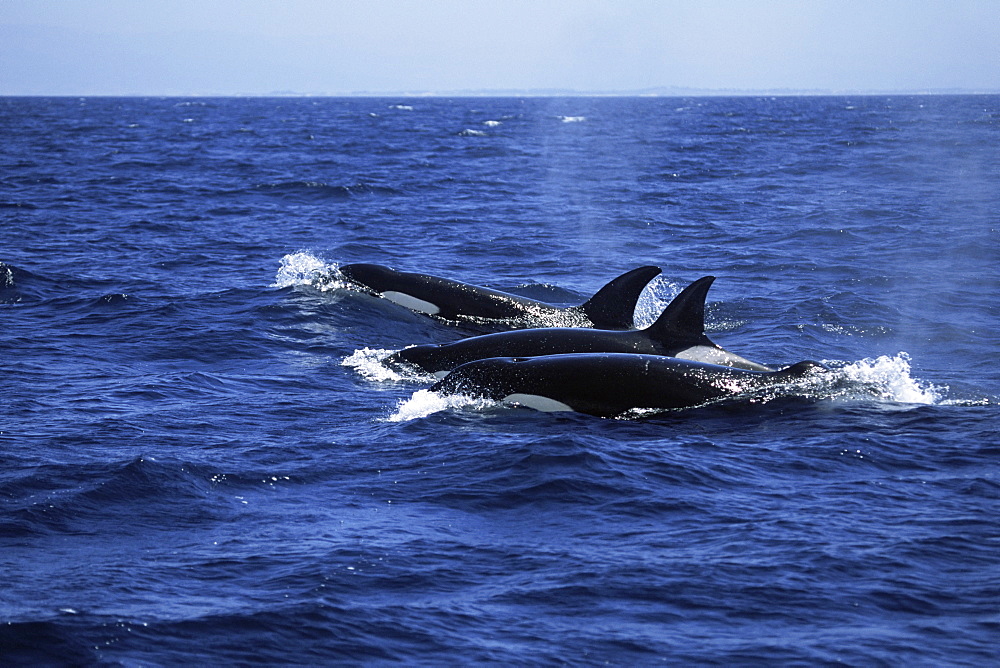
[303, 268]
[883, 378]
[368, 362]
[425, 402]
[542, 317]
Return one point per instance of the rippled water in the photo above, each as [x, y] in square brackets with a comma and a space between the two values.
[203, 460]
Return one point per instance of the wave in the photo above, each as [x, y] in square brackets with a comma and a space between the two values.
[318, 190]
[46, 643]
[16, 283]
[6, 276]
[70, 498]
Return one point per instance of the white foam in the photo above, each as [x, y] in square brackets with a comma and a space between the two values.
[889, 379]
[572, 119]
[425, 402]
[536, 316]
[491, 124]
[301, 268]
[543, 317]
[368, 363]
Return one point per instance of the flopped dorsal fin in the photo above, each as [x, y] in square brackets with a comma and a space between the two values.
[613, 306]
[684, 317]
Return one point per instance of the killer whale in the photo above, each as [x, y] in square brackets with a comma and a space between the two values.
[611, 307]
[609, 384]
[678, 332]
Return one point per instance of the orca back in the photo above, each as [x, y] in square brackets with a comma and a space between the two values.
[612, 307]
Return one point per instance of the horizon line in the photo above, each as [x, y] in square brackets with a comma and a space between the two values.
[666, 91]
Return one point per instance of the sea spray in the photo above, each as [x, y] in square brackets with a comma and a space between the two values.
[368, 362]
[883, 378]
[424, 403]
[302, 268]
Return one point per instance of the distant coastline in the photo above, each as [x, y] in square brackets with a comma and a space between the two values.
[666, 91]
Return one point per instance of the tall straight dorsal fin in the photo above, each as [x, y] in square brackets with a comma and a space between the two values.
[613, 306]
[684, 317]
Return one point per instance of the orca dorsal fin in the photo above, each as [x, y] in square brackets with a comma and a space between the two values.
[684, 317]
[613, 306]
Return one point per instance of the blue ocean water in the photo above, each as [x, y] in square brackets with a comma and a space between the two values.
[201, 460]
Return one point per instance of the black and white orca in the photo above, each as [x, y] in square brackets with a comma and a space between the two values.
[612, 307]
[610, 384]
[678, 332]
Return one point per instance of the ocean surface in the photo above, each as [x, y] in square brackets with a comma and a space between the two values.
[203, 462]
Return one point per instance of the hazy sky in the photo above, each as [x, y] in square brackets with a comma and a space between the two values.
[220, 47]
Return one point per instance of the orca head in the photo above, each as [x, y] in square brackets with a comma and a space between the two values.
[389, 284]
[415, 359]
[487, 377]
[374, 277]
[496, 378]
